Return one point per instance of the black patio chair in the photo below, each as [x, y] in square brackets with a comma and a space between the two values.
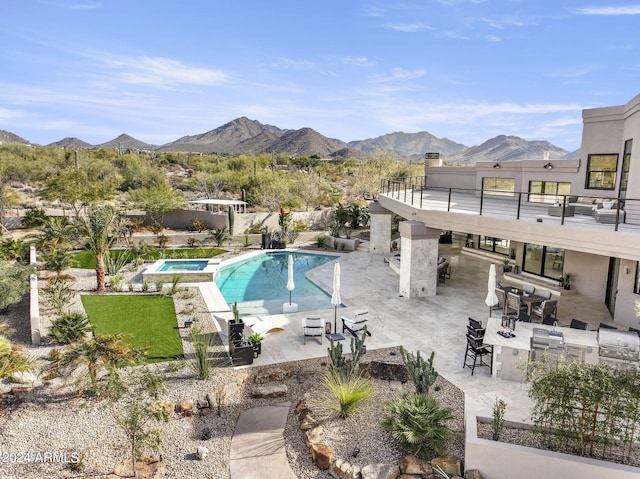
[577, 324]
[475, 352]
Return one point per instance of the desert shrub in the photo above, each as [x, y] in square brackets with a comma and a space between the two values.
[70, 327]
[298, 226]
[34, 218]
[197, 225]
[345, 393]
[418, 423]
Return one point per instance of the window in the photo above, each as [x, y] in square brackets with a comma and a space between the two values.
[495, 245]
[544, 261]
[548, 191]
[601, 172]
[626, 163]
[499, 186]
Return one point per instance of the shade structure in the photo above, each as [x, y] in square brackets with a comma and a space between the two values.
[290, 284]
[491, 299]
[335, 296]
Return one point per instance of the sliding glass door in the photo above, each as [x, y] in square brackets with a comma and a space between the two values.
[543, 260]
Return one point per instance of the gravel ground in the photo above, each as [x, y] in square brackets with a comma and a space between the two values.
[50, 419]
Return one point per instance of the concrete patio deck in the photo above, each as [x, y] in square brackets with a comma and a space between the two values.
[427, 324]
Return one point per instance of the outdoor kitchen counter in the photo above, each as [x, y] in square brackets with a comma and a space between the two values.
[509, 354]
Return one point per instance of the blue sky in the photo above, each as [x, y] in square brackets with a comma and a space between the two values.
[467, 70]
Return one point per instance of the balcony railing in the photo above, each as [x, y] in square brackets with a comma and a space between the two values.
[519, 205]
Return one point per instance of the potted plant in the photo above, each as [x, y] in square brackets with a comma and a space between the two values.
[506, 265]
[256, 340]
[236, 326]
[566, 280]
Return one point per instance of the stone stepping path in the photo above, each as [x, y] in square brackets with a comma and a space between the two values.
[257, 445]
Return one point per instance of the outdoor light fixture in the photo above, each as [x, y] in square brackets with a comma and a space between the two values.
[497, 165]
[548, 166]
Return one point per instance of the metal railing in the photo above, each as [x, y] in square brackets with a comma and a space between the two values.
[517, 205]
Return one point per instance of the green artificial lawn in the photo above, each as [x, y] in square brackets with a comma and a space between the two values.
[148, 319]
[87, 259]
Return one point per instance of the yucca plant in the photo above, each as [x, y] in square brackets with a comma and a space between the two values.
[201, 361]
[345, 393]
[418, 423]
[58, 294]
[70, 327]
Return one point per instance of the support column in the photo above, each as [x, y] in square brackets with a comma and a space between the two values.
[380, 229]
[418, 259]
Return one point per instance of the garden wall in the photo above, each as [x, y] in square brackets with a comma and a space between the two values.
[498, 460]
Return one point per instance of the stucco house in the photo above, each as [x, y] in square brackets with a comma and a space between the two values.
[550, 216]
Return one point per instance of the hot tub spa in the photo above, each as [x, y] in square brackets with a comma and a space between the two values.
[188, 270]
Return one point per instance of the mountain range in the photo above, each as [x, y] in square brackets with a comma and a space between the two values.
[245, 136]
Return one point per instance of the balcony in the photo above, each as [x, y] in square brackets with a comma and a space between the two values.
[512, 215]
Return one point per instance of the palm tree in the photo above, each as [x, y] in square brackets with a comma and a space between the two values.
[106, 349]
[101, 227]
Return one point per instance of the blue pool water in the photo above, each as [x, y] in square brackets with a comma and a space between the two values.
[184, 265]
[259, 284]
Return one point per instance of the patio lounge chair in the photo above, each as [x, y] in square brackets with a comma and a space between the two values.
[355, 325]
[313, 327]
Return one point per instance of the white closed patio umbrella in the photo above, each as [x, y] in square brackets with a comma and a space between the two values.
[335, 297]
[492, 298]
[290, 284]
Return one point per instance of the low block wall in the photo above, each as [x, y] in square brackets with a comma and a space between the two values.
[498, 460]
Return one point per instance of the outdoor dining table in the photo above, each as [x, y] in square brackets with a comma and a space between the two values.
[531, 300]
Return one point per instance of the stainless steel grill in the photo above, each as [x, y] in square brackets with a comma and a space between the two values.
[614, 344]
[545, 339]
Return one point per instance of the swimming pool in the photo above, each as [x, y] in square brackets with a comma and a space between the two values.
[259, 284]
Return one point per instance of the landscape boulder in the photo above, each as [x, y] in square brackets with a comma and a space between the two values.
[272, 391]
[472, 474]
[185, 407]
[380, 471]
[386, 371]
[451, 465]
[202, 452]
[341, 469]
[321, 455]
[414, 465]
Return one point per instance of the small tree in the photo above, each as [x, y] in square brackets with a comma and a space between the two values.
[157, 200]
[138, 413]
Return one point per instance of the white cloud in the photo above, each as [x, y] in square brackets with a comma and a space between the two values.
[6, 115]
[607, 11]
[84, 5]
[358, 61]
[162, 72]
[401, 74]
[407, 27]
